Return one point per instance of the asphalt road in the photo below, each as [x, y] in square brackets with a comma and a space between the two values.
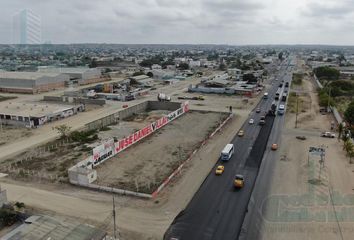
[253, 223]
[217, 210]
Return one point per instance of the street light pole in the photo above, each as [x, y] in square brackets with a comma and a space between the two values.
[297, 109]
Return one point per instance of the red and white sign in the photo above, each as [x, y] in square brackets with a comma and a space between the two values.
[103, 151]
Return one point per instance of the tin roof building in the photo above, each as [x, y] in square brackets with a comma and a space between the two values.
[31, 82]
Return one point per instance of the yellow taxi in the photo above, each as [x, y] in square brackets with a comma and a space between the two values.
[219, 170]
[241, 133]
[274, 146]
[239, 181]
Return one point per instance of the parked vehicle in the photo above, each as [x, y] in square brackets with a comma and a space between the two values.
[163, 97]
[265, 96]
[251, 121]
[227, 152]
[258, 110]
[281, 109]
[328, 135]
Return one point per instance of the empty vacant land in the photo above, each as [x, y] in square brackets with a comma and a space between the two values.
[51, 161]
[144, 166]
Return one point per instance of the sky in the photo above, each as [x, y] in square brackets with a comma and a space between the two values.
[234, 22]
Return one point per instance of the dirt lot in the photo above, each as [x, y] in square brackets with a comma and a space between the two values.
[50, 162]
[144, 166]
[132, 124]
[11, 134]
[299, 177]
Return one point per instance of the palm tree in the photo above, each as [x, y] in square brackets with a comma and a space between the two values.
[349, 148]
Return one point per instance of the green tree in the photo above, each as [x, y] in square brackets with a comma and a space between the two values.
[280, 55]
[183, 66]
[249, 77]
[63, 130]
[349, 113]
[349, 149]
[327, 73]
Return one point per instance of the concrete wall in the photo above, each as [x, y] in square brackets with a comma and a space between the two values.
[82, 176]
[52, 98]
[128, 112]
[99, 102]
[105, 121]
[169, 106]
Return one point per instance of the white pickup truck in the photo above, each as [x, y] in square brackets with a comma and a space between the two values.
[328, 135]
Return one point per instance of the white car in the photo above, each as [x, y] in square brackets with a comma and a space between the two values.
[251, 121]
[328, 135]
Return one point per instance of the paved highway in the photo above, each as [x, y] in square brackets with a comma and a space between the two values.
[217, 210]
[252, 226]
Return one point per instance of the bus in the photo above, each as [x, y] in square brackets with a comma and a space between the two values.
[281, 109]
[277, 94]
[265, 96]
[227, 152]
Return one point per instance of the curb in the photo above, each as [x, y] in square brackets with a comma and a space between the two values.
[176, 171]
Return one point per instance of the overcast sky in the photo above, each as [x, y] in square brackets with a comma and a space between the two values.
[188, 21]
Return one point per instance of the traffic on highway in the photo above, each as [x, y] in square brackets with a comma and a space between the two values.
[219, 207]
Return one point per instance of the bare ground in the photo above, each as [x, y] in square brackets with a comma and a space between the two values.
[11, 134]
[143, 167]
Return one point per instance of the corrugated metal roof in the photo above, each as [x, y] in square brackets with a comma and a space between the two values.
[45, 227]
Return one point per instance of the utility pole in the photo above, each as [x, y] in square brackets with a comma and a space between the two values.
[297, 109]
[329, 98]
[114, 219]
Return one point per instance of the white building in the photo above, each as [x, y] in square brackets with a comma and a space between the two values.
[193, 64]
[155, 67]
[27, 28]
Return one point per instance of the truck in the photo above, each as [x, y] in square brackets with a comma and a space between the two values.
[273, 109]
[161, 97]
[277, 94]
[283, 98]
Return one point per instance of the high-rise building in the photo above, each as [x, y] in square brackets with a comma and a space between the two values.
[27, 28]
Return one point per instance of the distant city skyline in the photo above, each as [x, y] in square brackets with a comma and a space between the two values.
[234, 22]
[27, 28]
